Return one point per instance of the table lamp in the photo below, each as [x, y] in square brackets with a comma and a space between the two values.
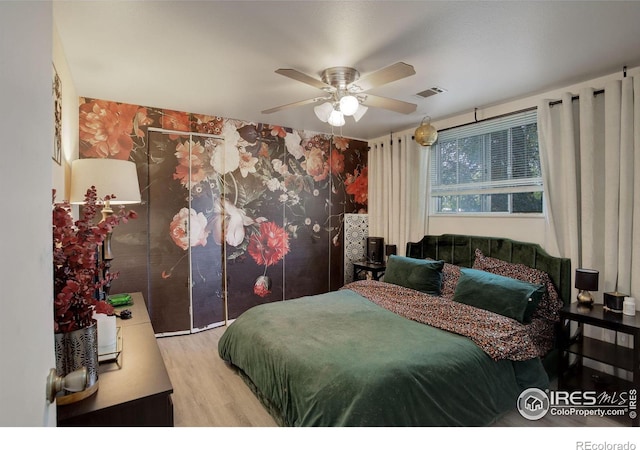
[586, 282]
[390, 250]
[111, 177]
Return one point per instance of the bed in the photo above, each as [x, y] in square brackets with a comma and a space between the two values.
[409, 350]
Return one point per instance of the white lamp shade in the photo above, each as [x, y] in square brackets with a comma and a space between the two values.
[359, 112]
[349, 105]
[336, 119]
[109, 176]
[323, 111]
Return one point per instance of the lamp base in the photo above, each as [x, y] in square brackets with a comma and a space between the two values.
[585, 299]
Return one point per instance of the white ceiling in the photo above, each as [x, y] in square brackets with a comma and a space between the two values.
[219, 57]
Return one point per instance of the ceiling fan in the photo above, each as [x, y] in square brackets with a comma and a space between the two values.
[345, 93]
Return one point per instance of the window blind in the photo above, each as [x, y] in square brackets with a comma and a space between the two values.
[497, 156]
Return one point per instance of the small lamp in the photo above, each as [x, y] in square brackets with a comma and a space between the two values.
[111, 177]
[359, 112]
[426, 134]
[349, 105]
[586, 282]
[323, 111]
[390, 250]
[336, 118]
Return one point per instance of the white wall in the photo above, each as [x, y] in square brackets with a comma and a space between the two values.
[518, 228]
[26, 286]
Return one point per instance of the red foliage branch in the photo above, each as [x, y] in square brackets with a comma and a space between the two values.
[76, 269]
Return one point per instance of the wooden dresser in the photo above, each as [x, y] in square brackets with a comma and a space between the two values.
[135, 390]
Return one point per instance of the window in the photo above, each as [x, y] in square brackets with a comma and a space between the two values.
[490, 167]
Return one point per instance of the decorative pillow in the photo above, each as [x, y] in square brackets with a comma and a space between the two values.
[502, 295]
[419, 274]
[549, 305]
[450, 276]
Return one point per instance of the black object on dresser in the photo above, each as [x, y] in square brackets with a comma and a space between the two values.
[575, 375]
[134, 390]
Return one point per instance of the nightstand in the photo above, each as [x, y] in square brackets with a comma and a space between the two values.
[375, 269]
[575, 348]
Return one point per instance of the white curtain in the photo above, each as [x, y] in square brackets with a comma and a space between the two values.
[398, 190]
[589, 148]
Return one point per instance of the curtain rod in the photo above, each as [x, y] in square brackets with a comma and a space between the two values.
[555, 102]
[489, 118]
[576, 97]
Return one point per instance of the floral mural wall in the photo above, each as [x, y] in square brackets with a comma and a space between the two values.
[253, 210]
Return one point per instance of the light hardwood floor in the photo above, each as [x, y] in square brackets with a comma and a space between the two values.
[208, 393]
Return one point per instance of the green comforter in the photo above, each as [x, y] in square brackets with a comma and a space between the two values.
[337, 359]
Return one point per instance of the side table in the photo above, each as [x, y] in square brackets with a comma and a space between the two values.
[575, 375]
[376, 269]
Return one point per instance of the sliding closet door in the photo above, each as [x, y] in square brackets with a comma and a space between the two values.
[307, 265]
[185, 224]
[258, 215]
[169, 275]
[332, 181]
[257, 239]
[207, 221]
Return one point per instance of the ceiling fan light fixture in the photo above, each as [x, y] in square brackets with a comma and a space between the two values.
[323, 111]
[345, 90]
[336, 119]
[349, 105]
[359, 112]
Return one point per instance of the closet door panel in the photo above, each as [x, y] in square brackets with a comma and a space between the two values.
[307, 215]
[207, 269]
[255, 199]
[307, 263]
[169, 215]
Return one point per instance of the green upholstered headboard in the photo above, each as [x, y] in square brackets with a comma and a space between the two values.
[459, 249]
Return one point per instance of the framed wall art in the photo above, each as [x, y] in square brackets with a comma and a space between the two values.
[57, 117]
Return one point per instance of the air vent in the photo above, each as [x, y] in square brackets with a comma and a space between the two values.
[431, 91]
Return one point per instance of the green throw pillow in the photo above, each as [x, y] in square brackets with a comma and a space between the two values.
[419, 274]
[502, 295]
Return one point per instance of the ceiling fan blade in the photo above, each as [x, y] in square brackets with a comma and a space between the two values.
[304, 78]
[292, 105]
[394, 72]
[389, 103]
